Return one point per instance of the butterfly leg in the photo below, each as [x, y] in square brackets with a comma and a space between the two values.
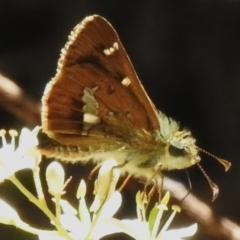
[152, 179]
[94, 170]
[126, 179]
[124, 182]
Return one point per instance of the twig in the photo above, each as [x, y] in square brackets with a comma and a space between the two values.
[215, 226]
[17, 102]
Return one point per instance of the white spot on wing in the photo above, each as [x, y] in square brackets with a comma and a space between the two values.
[90, 109]
[115, 46]
[126, 82]
[90, 118]
[107, 52]
[110, 113]
[111, 50]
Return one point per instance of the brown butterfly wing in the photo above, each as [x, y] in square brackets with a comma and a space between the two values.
[88, 65]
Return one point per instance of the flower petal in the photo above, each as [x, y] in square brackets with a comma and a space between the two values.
[179, 233]
[67, 207]
[55, 178]
[72, 223]
[108, 226]
[50, 236]
[27, 140]
[140, 228]
[105, 185]
[8, 215]
[112, 205]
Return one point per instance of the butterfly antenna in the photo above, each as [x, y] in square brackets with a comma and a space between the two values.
[213, 186]
[224, 162]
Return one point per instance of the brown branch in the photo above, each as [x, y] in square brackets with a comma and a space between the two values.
[214, 226]
[18, 103]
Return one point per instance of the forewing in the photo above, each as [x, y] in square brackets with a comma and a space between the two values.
[96, 91]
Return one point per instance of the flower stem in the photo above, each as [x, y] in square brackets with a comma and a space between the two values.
[41, 205]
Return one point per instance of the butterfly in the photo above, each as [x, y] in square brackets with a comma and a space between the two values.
[96, 108]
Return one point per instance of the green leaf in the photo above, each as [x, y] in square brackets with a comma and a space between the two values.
[152, 217]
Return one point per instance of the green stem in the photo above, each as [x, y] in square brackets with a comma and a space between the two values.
[57, 206]
[37, 183]
[24, 226]
[41, 205]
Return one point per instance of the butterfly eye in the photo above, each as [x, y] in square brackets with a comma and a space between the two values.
[176, 152]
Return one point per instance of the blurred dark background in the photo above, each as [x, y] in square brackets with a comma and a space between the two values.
[187, 54]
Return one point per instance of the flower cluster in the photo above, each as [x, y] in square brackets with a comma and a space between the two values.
[87, 222]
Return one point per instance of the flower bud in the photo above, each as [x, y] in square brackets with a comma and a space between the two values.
[55, 178]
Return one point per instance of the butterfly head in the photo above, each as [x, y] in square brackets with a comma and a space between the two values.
[181, 151]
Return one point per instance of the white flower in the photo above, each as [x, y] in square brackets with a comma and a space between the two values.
[85, 223]
[8, 215]
[13, 159]
[80, 224]
[178, 234]
[80, 229]
[55, 178]
[140, 229]
[105, 184]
